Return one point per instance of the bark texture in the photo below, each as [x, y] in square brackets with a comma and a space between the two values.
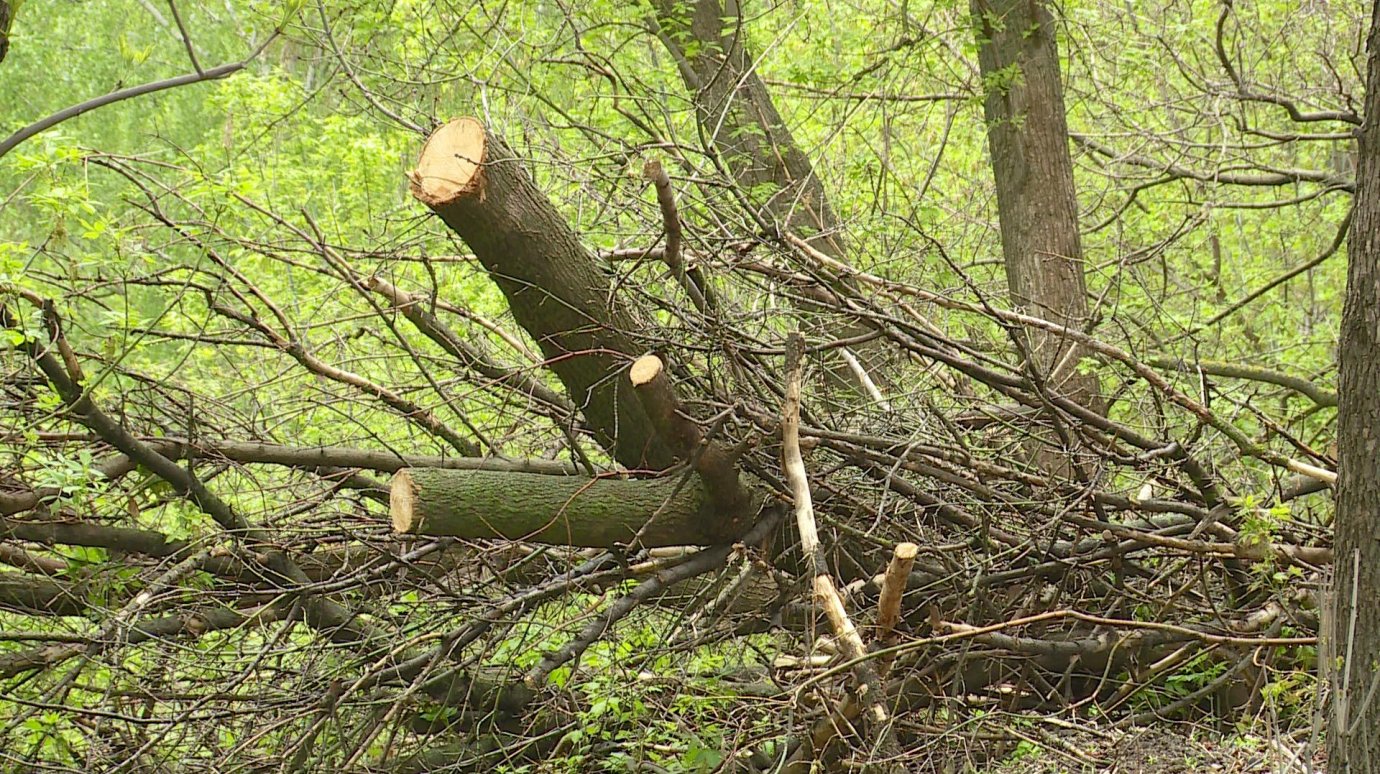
[1028, 140]
[570, 511]
[1354, 637]
[553, 284]
[740, 122]
[6, 18]
[40, 596]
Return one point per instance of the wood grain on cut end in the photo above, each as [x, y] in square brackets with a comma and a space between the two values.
[401, 497]
[644, 370]
[450, 165]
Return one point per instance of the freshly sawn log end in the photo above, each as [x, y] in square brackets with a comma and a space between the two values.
[451, 164]
[644, 370]
[401, 497]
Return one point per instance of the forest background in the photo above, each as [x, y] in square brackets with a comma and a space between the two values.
[1051, 461]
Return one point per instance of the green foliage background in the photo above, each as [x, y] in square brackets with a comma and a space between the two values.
[886, 103]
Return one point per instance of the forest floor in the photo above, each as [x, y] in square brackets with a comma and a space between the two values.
[1160, 749]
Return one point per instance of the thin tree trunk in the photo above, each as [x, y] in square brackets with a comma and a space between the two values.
[1029, 144]
[1354, 633]
[740, 122]
[6, 19]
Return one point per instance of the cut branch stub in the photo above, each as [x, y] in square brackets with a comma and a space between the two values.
[716, 465]
[648, 377]
[553, 284]
[564, 510]
[450, 164]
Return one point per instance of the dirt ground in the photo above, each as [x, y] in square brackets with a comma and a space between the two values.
[1084, 749]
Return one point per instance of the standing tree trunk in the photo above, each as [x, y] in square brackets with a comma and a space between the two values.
[7, 9]
[1028, 139]
[1354, 634]
[739, 121]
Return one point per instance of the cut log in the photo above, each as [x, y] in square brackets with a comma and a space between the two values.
[893, 587]
[599, 512]
[39, 596]
[553, 284]
[717, 466]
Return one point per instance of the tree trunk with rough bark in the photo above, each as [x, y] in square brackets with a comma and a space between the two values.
[740, 122]
[553, 285]
[1353, 647]
[7, 10]
[1028, 140]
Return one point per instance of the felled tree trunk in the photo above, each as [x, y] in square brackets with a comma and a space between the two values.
[571, 511]
[553, 284]
[39, 596]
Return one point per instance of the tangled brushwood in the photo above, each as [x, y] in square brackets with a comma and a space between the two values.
[644, 457]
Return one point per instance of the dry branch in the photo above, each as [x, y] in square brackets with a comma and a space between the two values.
[327, 617]
[689, 278]
[825, 593]
[414, 307]
[893, 586]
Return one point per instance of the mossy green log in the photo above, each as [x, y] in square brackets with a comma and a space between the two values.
[562, 510]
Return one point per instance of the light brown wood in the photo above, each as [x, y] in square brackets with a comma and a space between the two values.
[451, 163]
[889, 606]
[893, 587]
[826, 594]
[644, 370]
[400, 498]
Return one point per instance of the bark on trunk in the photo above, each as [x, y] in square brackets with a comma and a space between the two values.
[39, 596]
[739, 120]
[1028, 140]
[551, 281]
[570, 511]
[6, 18]
[1353, 646]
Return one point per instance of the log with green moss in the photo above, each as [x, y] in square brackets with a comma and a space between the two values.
[573, 511]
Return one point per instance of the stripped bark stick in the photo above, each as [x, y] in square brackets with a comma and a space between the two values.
[893, 587]
[793, 465]
[690, 279]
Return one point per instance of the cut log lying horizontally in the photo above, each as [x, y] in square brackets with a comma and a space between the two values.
[599, 512]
